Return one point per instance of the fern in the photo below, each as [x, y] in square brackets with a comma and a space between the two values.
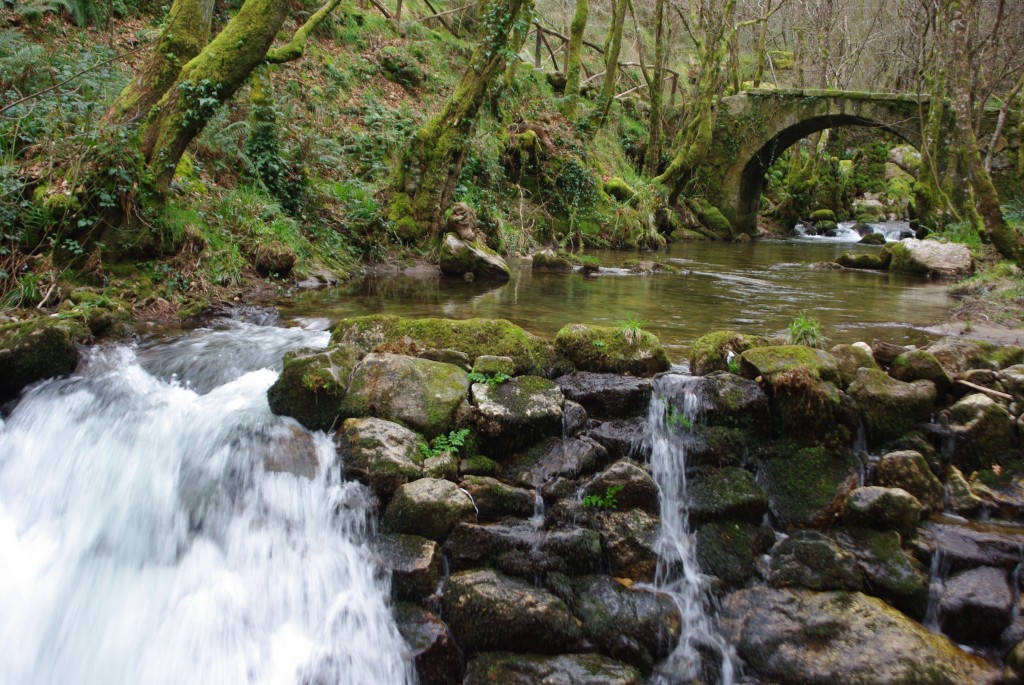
[33, 10]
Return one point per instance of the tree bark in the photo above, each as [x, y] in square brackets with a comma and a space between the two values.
[652, 157]
[613, 46]
[574, 59]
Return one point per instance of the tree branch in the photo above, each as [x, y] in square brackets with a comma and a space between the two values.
[294, 49]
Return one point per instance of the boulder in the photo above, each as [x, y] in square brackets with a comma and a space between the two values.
[810, 560]
[819, 215]
[917, 365]
[718, 399]
[487, 610]
[633, 486]
[492, 668]
[381, 454]
[1002, 495]
[882, 509]
[437, 658]
[516, 413]
[574, 418]
[771, 362]
[728, 493]
[35, 351]
[962, 500]
[415, 565]
[495, 500]
[982, 432]
[288, 449]
[459, 257]
[492, 365]
[864, 260]
[888, 571]
[872, 239]
[966, 545]
[628, 538]
[890, 407]
[312, 385]
[473, 337]
[429, 507]
[931, 258]
[638, 626]
[520, 548]
[810, 411]
[462, 222]
[604, 349]
[606, 394]
[729, 550]
[712, 352]
[807, 485]
[799, 637]
[621, 437]
[555, 457]
[909, 470]
[975, 605]
[957, 354]
[424, 395]
[849, 358]
[551, 261]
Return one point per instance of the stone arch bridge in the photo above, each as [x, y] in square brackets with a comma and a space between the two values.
[754, 128]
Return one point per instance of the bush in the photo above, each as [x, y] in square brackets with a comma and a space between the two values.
[804, 330]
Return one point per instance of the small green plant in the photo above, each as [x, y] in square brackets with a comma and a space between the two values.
[630, 329]
[599, 343]
[733, 364]
[444, 443]
[605, 501]
[489, 379]
[678, 419]
[805, 330]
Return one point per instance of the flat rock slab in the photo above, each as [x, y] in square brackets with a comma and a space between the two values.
[607, 394]
[565, 669]
[931, 258]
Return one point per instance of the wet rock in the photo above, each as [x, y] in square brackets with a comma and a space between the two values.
[550, 261]
[808, 485]
[424, 395]
[495, 500]
[975, 605]
[798, 637]
[882, 509]
[890, 407]
[521, 549]
[965, 545]
[478, 465]
[628, 538]
[810, 560]
[729, 550]
[727, 493]
[888, 571]
[437, 658]
[569, 458]
[429, 507]
[27, 357]
[604, 349]
[810, 411]
[381, 454]
[574, 418]
[459, 257]
[962, 500]
[289, 449]
[415, 565]
[982, 431]
[770, 362]
[517, 412]
[453, 357]
[621, 437]
[874, 239]
[957, 354]
[493, 668]
[312, 386]
[865, 260]
[491, 365]
[637, 626]
[917, 365]
[607, 394]
[487, 610]
[712, 352]
[909, 470]
[1001, 495]
[634, 487]
[849, 358]
[721, 399]
[931, 258]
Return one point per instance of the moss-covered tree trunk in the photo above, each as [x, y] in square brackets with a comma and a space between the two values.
[429, 168]
[613, 46]
[652, 158]
[185, 32]
[574, 57]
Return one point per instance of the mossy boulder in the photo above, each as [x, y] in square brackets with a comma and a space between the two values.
[619, 189]
[495, 500]
[976, 605]
[431, 645]
[474, 337]
[487, 610]
[890, 407]
[889, 572]
[425, 395]
[516, 413]
[381, 454]
[849, 358]
[795, 637]
[728, 550]
[908, 470]
[982, 431]
[808, 410]
[874, 239]
[312, 385]
[712, 352]
[633, 487]
[826, 228]
[415, 564]
[628, 539]
[916, 365]
[713, 223]
[881, 508]
[516, 547]
[728, 493]
[819, 215]
[506, 668]
[811, 560]
[428, 507]
[806, 485]
[274, 258]
[611, 350]
[35, 351]
[864, 260]
[771, 362]
[958, 354]
[931, 258]
[551, 261]
[492, 365]
[459, 257]
[962, 500]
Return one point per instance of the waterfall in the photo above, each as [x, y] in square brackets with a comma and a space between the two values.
[143, 541]
[701, 650]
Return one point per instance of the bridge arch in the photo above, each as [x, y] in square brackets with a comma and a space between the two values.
[754, 128]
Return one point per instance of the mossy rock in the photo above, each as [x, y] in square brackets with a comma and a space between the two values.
[619, 189]
[551, 261]
[771, 362]
[428, 507]
[875, 239]
[728, 549]
[890, 573]
[825, 227]
[604, 349]
[982, 432]
[727, 493]
[849, 358]
[478, 465]
[890, 407]
[36, 350]
[711, 219]
[819, 215]
[806, 486]
[711, 352]
[493, 365]
[810, 560]
[908, 469]
[528, 669]
[459, 258]
[516, 413]
[312, 385]
[474, 337]
[808, 409]
[864, 260]
[917, 365]
[274, 258]
[882, 509]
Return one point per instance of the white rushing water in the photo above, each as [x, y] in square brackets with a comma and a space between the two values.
[845, 233]
[143, 541]
[701, 651]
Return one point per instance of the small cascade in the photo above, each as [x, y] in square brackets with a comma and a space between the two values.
[147, 535]
[937, 575]
[702, 652]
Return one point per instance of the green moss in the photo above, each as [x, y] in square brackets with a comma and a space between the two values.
[770, 362]
[609, 350]
[36, 350]
[709, 352]
[619, 189]
[711, 218]
[312, 387]
[803, 483]
[819, 215]
[864, 260]
[478, 465]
